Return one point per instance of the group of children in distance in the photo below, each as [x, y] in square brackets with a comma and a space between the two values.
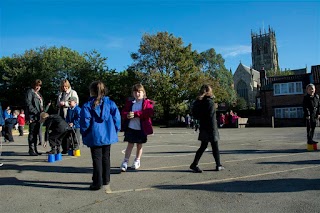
[12, 120]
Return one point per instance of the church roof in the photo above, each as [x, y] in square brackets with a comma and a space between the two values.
[255, 73]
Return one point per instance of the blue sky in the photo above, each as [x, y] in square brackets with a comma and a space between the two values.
[114, 28]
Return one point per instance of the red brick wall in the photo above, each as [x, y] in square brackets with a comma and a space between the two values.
[278, 101]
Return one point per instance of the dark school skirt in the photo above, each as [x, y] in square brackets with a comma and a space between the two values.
[135, 136]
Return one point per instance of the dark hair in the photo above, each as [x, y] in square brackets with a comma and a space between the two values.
[37, 82]
[205, 90]
[99, 90]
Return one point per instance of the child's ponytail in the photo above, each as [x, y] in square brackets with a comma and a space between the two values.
[99, 90]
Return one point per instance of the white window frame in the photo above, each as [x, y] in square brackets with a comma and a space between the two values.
[290, 88]
[288, 112]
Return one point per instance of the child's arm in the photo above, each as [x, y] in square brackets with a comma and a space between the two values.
[47, 124]
[126, 109]
[305, 107]
[114, 111]
[85, 119]
[76, 119]
[147, 112]
[47, 107]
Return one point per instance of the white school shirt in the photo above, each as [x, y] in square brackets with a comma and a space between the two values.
[135, 122]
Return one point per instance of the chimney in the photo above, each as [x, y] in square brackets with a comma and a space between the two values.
[263, 76]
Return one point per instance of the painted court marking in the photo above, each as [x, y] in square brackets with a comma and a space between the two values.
[165, 156]
[217, 181]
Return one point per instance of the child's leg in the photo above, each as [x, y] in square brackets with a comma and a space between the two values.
[96, 155]
[40, 135]
[10, 137]
[20, 128]
[139, 151]
[128, 151]
[106, 164]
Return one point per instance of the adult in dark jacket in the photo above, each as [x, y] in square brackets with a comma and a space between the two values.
[56, 130]
[311, 109]
[34, 106]
[204, 110]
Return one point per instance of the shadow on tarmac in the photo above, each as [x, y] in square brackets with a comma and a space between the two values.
[255, 186]
[12, 181]
[307, 162]
[53, 169]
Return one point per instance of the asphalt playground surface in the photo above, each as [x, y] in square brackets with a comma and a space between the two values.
[267, 170]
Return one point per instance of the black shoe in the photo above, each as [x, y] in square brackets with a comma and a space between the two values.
[38, 153]
[219, 168]
[195, 168]
[39, 144]
[32, 153]
[94, 188]
[312, 142]
[64, 152]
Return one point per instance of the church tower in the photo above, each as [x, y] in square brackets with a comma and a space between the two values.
[264, 50]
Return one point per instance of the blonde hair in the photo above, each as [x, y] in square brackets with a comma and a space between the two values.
[64, 83]
[205, 90]
[36, 83]
[310, 85]
[139, 87]
[99, 90]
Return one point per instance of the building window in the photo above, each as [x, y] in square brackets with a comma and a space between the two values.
[289, 112]
[291, 88]
[265, 48]
[242, 90]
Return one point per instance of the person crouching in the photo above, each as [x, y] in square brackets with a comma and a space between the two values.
[56, 130]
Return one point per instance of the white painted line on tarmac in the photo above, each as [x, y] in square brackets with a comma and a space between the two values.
[256, 175]
[220, 180]
[164, 156]
[229, 161]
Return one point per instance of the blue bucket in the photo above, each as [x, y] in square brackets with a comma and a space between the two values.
[70, 152]
[58, 156]
[51, 158]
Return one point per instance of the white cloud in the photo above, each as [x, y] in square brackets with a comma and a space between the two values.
[235, 51]
[114, 42]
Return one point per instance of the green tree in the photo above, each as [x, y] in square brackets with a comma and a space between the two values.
[51, 65]
[278, 72]
[168, 70]
[213, 64]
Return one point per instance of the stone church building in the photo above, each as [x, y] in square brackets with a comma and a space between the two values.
[264, 55]
[246, 81]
